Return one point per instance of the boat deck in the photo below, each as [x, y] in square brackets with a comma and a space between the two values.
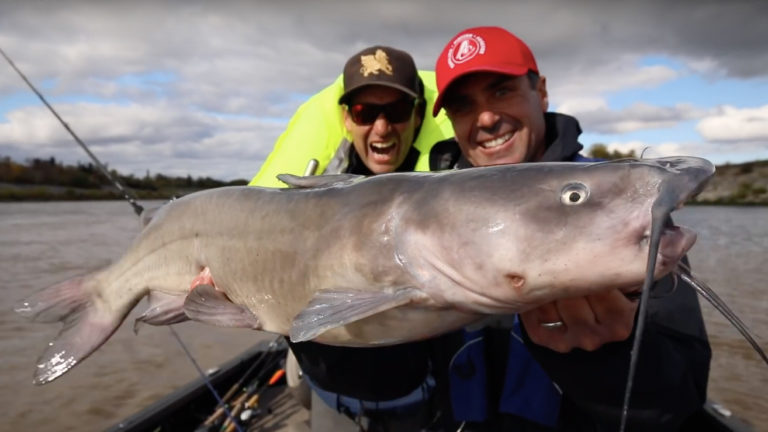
[283, 413]
[278, 410]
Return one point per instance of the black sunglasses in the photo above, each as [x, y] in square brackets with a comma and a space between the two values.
[365, 114]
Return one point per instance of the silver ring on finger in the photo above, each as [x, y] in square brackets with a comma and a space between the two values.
[552, 325]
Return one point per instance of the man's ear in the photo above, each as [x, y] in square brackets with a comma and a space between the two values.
[541, 89]
[420, 111]
[348, 123]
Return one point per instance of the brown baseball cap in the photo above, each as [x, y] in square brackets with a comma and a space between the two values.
[380, 65]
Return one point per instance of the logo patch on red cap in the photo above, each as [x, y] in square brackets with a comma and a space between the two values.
[464, 48]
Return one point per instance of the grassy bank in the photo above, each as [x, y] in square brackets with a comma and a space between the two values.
[738, 184]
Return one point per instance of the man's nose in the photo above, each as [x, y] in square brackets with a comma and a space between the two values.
[381, 125]
[487, 119]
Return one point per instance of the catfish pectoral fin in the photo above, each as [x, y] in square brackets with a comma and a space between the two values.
[208, 305]
[335, 308]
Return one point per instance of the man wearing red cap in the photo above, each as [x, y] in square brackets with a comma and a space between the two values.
[491, 90]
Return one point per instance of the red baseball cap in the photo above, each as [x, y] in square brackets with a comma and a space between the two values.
[481, 49]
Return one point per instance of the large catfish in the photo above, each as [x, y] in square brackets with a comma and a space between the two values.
[357, 261]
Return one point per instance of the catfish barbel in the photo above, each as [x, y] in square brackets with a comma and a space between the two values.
[362, 261]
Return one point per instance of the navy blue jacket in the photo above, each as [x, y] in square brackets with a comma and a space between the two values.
[671, 378]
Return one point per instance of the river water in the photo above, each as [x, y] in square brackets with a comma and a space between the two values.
[45, 243]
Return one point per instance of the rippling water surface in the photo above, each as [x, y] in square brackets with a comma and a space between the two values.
[45, 243]
[731, 255]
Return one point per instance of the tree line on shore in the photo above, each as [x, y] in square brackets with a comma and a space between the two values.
[51, 179]
[38, 171]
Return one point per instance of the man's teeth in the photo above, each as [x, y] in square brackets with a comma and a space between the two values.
[382, 145]
[497, 141]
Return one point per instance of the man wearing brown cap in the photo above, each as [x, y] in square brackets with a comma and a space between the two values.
[371, 120]
[382, 104]
[490, 87]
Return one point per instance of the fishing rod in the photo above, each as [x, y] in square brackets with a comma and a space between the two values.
[137, 208]
[127, 195]
[257, 363]
[248, 397]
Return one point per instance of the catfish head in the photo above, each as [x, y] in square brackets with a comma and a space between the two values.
[508, 238]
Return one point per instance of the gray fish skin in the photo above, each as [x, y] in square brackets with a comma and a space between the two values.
[381, 260]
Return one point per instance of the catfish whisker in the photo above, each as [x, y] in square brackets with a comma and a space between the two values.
[657, 293]
[709, 294]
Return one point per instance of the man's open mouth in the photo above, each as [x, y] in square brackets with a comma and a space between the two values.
[382, 147]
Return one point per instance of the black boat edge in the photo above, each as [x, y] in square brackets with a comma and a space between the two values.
[188, 407]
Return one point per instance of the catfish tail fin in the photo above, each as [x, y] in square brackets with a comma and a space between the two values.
[85, 325]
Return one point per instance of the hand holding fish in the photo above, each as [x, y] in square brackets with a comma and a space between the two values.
[587, 322]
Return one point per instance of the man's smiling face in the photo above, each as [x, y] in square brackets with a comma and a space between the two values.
[497, 118]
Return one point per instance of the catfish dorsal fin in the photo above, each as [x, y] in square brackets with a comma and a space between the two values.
[321, 181]
[335, 308]
[146, 216]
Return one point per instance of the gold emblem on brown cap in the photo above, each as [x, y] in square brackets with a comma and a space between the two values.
[373, 63]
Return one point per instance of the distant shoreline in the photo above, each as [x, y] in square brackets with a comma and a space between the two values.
[46, 193]
[744, 184]
[51, 180]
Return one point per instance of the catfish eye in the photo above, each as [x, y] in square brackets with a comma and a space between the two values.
[574, 194]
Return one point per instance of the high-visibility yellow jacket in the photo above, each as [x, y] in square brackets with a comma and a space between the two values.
[316, 131]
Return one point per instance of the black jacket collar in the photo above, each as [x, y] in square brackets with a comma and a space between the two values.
[562, 142]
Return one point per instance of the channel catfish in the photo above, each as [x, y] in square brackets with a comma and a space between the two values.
[358, 261]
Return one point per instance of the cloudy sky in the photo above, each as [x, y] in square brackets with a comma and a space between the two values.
[205, 88]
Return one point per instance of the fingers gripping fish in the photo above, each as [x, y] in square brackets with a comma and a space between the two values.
[380, 260]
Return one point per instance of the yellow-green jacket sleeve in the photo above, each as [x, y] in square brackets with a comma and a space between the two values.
[314, 132]
[317, 129]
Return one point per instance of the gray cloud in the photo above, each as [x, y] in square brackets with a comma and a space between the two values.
[717, 152]
[136, 138]
[258, 60]
[729, 124]
[595, 116]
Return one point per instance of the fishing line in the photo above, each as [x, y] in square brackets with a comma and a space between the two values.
[131, 200]
[257, 363]
[205, 378]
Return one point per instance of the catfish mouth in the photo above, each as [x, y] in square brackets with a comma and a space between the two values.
[674, 242]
